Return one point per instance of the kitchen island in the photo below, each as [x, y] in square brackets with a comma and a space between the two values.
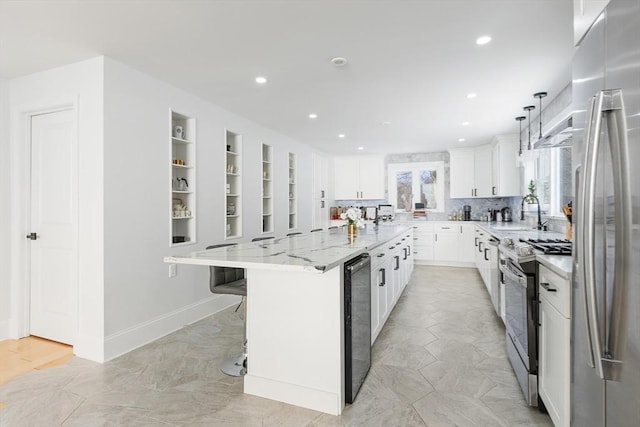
[295, 333]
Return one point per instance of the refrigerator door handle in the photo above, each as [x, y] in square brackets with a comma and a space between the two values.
[616, 124]
[578, 262]
[588, 243]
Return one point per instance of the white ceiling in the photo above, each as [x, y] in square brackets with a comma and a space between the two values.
[411, 63]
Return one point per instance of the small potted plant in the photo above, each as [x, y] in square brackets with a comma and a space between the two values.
[532, 191]
[353, 216]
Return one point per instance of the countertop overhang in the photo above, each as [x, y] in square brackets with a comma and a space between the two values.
[312, 252]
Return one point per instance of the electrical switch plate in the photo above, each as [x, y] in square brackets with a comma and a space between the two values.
[173, 270]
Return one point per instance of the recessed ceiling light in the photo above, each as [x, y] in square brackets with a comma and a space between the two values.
[313, 116]
[465, 123]
[341, 135]
[385, 123]
[339, 62]
[360, 148]
[460, 139]
[472, 95]
[261, 80]
[483, 40]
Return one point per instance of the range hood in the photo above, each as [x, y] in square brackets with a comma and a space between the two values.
[559, 134]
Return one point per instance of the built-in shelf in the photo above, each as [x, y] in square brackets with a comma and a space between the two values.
[293, 192]
[267, 188]
[233, 185]
[182, 211]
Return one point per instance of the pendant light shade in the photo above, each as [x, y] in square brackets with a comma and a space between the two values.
[540, 95]
[520, 119]
[528, 109]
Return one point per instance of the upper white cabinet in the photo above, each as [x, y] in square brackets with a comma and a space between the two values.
[506, 173]
[360, 177]
[488, 170]
[471, 172]
[183, 179]
[585, 13]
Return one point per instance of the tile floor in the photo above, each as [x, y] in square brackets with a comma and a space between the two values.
[439, 361]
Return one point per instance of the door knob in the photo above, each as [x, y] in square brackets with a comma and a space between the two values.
[32, 236]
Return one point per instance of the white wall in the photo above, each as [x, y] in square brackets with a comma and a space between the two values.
[141, 302]
[5, 288]
[79, 85]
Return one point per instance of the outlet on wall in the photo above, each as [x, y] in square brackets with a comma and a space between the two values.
[173, 270]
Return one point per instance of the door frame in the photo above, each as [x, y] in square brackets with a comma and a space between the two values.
[20, 196]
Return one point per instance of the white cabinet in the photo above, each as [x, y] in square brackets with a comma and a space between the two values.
[461, 167]
[466, 248]
[183, 180]
[359, 178]
[391, 267]
[506, 173]
[482, 171]
[554, 334]
[445, 243]
[487, 170]
[423, 241]
[470, 172]
[233, 183]
[319, 193]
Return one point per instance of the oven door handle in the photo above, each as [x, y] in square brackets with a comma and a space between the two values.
[521, 280]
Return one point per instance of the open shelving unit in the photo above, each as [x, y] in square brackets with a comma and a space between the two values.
[183, 180]
[293, 193]
[267, 188]
[233, 185]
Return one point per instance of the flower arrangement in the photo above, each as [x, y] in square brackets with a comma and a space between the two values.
[353, 216]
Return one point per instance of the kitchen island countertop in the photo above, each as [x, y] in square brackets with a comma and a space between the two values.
[312, 252]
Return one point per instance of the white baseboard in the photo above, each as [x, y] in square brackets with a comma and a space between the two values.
[445, 263]
[293, 394]
[136, 336]
[88, 347]
[4, 330]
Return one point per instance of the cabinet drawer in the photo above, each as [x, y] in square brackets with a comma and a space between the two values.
[423, 252]
[556, 290]
[378, 254]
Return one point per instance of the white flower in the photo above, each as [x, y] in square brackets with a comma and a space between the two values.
[353, 216]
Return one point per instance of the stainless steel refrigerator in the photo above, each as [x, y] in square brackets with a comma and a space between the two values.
[605, 350]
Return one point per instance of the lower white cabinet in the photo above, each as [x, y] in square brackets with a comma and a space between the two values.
[554, 334]
[391, 267]
[443, 242]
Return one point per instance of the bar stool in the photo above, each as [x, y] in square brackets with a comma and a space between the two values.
[294, 233]
[315, 229]
[231, 281]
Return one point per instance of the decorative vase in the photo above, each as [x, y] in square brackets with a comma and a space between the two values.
[352, 229]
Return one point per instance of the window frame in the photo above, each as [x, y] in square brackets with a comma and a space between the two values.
[415, 169]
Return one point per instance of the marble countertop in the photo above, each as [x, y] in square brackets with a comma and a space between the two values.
[313, 252]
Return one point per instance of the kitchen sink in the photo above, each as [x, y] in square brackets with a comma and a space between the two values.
[511, 228]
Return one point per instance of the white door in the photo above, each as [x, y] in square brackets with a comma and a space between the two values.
[53, 253]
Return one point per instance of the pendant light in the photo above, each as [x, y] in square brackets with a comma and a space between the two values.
[528, 109]
[520, 119]
[540, 95]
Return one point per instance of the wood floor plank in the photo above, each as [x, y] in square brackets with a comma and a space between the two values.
[17, 357]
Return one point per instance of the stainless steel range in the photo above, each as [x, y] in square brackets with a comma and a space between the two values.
[519, 271]
[518, 276]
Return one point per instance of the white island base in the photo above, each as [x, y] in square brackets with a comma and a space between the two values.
[295, 338]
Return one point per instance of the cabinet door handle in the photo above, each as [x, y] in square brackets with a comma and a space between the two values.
[547, 287]
[445, 228]
[384, 277]
[475, 243]
[397, 267]
[381, 255]
[405, 253]
[391, 248]
[436, 236]
[493, 191]
[480, 247]
[322, 194]
[472, 192]
[485, 255]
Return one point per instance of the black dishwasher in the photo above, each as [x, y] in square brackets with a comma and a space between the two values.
[357, 324]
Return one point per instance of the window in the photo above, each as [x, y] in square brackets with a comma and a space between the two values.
[550, 172]
[411, 183]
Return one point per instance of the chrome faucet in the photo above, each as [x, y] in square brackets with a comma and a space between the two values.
[539, 226]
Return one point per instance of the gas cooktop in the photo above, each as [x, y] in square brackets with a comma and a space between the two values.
[550, 246]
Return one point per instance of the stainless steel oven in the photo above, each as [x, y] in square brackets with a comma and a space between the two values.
[518, 273]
